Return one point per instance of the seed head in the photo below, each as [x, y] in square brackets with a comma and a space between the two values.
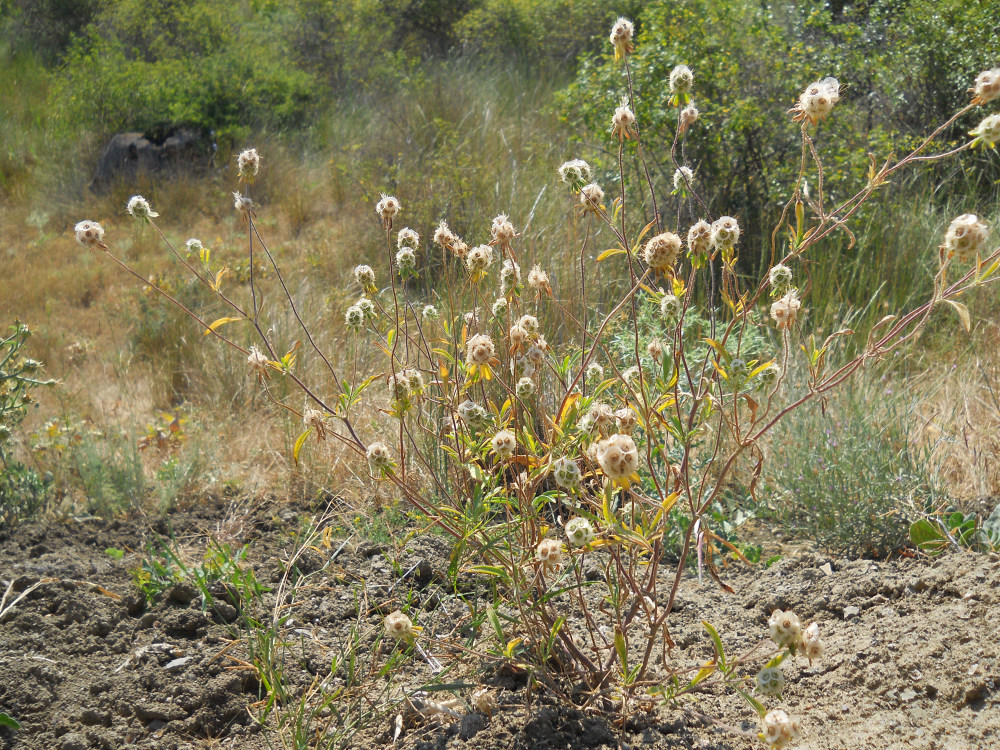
[354, 317]
[579, 532]
[366, 306]
[817, 101]
[566, 473]
[688, 117]
[594, 372]
[504, 443]
[725, 233]
[655, 349]
[365, 276]
[399, 626]
[601, 418]
[550, 554]
[987, 86]
[988, 132]
[474, 415]
[529, 323]
[510, 276]
[621, 38]
[780, 278]
[681, 80]
[539, 280]
[502, 230]
[430, 313]
[592, 198]
[683, 176]
[407, 238]
[484, 702]
[785, 310]
[500, 307]
[618, 457]
[257, 362]
[387, 208]
[89, 233]
[771, 681]
[786, 630]
[243, 206]
[315, 419]
[661, 252]
[525, 388]
[139, 208]
[626, 420]
[479, 259]
[406, 261]
[518, 336]
[447, 239]
[812, 644]
[575, 173]
[699, 238]
[670, 308]
[769, 376]
[780, 731]
[479, 350]
[248, 164]
[623, 122]
[379, 459]
[738, 371]
[966, 237]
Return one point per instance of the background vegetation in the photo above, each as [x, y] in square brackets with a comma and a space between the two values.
[463, 109]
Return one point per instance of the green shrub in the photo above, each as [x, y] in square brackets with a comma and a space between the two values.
[22, 492]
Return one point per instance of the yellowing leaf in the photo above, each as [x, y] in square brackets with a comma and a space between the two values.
[299, 443]
[963, 314]
[610, 252]
[567, 405]
[218, 324]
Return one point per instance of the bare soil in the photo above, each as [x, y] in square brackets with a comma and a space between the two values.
[912, 660]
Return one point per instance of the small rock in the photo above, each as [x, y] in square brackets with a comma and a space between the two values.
[472, 724]
[225, 611]
[74, 741]
[827, 569]
[181, 593]
[147, 620]
[91, 718]
[850, 612]
[907, 695]
[178, 664]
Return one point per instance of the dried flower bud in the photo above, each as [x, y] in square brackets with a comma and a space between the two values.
[592, 197]
[786, 630]
[661, 252]
[618, 457]
[621, 37]
[579, 532]
[725, 233]
[399, 626]
[550, 554]
[575, 173]
[779, 730]
[986, 87]
[812, 644]
[479, 350]
[89, 233]
[139, 208]
[257, 362]
[966, 237]
[407, 238]
[566, 473]
[387, 208]
[623, 122]
[504, 443]
[771, 681]
[817, 101]
[786, 310]
[379, 458]
[365, 276]
[248, 164]
[502, 230]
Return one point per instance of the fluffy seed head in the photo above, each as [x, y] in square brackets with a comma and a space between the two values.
[365, 276]
[502, 230]
[594, 372]
[430, 312]
[738, 370]
[566, 473]
[406, 260]
[812, 644]
[504, 443]
[379, 458]
[621, 37]
[725, 233]
[626, 420]
[786, 630]
[193, 245]
[817, 101]
[618, 457]
[575, 173]
[631, 376]
[770, 681]
[479, 350]
[681, 80]
[529, 323]
[623, 122]
[538, 279]
[987, 86]
[683, 177]
[366, 306]
[354, 317]
[447, 239]
[500, 306]
[579, 532]
[786, 310]
[243, 205]
[688, 117]
[248, 164]
[257, 361]
[699, 237]
[670, 308]
[550, 554]
[655, 349]
[661, 251]
[510, 276]
[387, 208]
[518, 335]
[591, 197]
[484, 702]
[779, 730]
[966, 237]
[780, 278]
[479, 259]
[601, 418]
[472, 414]
[89, 233]
[399, 626]
[769, 377]
[139, 208]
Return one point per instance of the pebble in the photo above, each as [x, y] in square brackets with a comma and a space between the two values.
[178, 664]
[850, 612]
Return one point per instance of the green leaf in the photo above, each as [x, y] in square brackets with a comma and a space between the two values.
[717, 642]
[491, 615]
[9, 721]
[621, 647]
[927, 537]
[114, 553]
[755, 704]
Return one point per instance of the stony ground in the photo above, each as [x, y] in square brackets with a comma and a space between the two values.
[86, 661]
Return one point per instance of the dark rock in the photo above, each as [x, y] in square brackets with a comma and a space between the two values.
[131, 155]
[472, 724]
